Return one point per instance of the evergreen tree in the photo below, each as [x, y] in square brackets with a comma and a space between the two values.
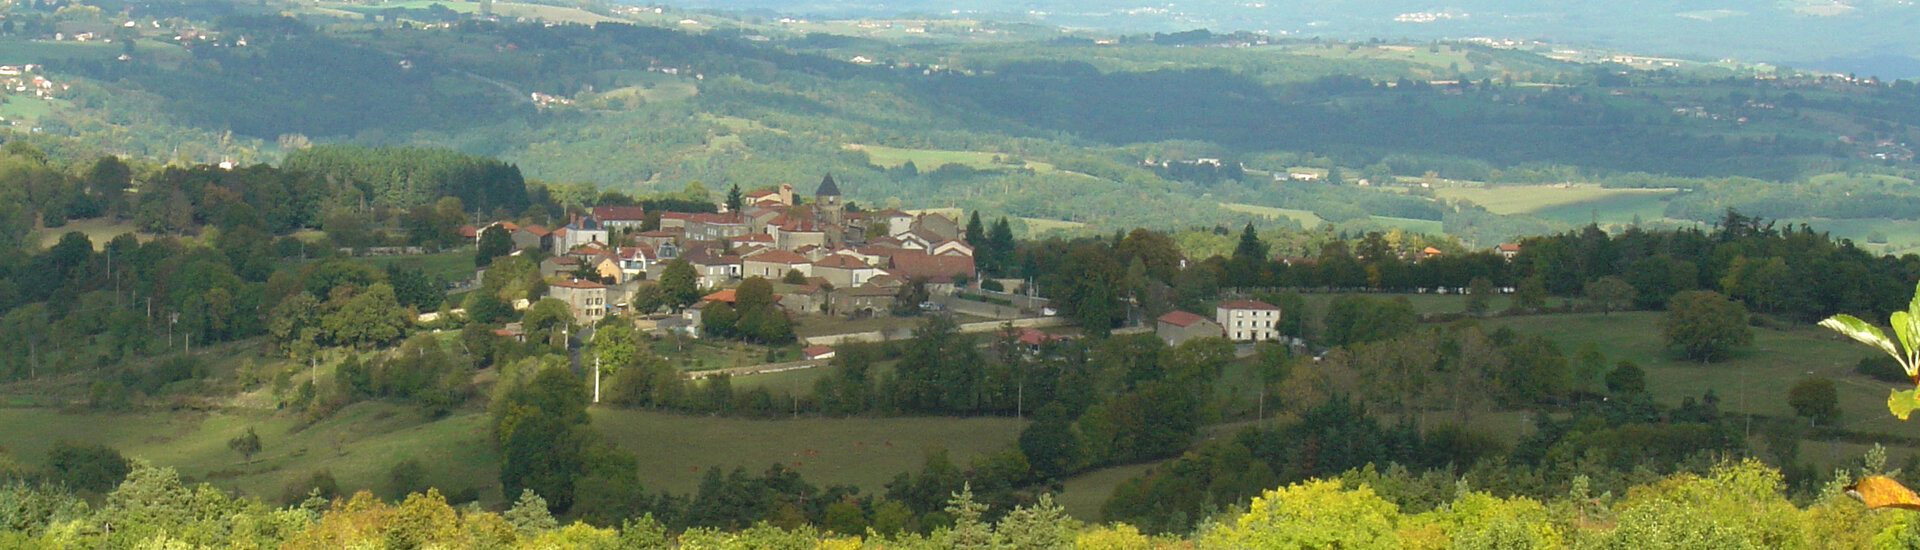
[999, 249]
[976, 233]
[734, 199]
[1250, 246]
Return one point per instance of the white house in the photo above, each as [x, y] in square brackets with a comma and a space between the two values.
[1246, 320]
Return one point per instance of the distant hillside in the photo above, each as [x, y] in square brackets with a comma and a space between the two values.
[1870, 37]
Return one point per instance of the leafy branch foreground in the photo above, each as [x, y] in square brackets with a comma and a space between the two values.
[1906, 326]
[1734, 505]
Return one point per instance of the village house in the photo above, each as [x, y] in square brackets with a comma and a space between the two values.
[559, 266]
[817, 352]
[656, 238]
[793, 232]
[587, 299]
[621, 218]
[1248, 320]
[935, 269]
[675, 222]
[898, 223]
[864, 301]
[758, 217]
[774, 264]
[844, 271]
[714, 269]
[1031, 340]
[713, 227]
[802, 298]
[582, 230]
[1507, 250]
[1177, 327]
[936, 227]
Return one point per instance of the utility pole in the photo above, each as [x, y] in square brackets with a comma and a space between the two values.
[596, 377]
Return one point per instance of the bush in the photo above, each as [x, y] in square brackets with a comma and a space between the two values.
[1880, 367]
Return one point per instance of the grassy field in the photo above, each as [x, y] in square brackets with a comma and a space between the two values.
[358, 445]
[1307, 219]
[99, 230]
[1559, 202]
[1083, 494]
[864, 452]
[1755, 381]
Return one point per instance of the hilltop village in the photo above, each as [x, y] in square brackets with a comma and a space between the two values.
[824, 257]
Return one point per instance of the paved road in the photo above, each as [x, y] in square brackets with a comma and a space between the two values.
[762, 368]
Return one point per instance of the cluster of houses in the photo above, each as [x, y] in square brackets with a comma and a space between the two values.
[849, 263]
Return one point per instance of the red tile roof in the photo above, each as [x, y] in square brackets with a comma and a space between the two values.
[921, 264]
[720, 296]
[620, 213]
[1509, 247]
[537, 230]
[752, 238]
[840, 261]
[814, 352]
[778, 256]
[1248, 304]
[1181, 318]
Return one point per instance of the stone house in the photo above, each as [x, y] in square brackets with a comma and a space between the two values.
[1179, 326]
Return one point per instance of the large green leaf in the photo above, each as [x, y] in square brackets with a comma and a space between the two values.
[1867, 334]
[1902, 403]
[1903, 327]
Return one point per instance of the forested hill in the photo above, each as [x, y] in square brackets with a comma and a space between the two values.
[1061, 130]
